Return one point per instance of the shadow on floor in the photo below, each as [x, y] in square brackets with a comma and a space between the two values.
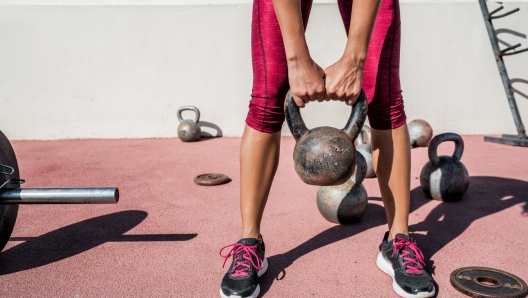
[77, 238]
[207, 127]
[374, 216]
[485, 196]
[517, 90]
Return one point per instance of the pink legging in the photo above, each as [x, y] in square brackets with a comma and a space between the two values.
[381, 79]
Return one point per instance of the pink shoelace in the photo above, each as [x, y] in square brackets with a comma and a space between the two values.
[400, 245]
[241, 267]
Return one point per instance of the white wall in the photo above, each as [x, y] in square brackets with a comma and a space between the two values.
[121, 69]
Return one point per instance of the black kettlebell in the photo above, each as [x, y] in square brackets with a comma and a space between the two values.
[325, 155]
[445, 178]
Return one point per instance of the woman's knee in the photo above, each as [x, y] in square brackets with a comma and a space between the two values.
[387, 116]
[266, 114]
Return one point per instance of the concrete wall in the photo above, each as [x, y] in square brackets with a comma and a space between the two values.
[121, 69]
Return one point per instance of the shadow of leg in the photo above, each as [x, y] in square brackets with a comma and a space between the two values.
[485, 196]
[374, 216]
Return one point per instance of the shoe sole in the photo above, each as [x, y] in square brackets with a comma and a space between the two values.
[386, 267]
[257, 290]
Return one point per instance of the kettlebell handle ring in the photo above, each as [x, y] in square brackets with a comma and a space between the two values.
[433, 146]
[189, 108]
[352, 128]
[357, 117]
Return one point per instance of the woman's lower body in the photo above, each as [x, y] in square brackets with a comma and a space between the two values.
[259, 152]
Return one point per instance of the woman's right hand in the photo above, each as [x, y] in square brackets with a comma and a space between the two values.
[306, 81]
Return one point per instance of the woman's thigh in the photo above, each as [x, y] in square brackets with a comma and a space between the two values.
[381, 76]
[270, 70]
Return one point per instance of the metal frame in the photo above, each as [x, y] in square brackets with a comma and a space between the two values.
[520, 139]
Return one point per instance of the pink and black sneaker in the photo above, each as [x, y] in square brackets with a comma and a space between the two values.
[249, 263]
[404, 262]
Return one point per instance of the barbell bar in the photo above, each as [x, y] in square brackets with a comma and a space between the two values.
[92, 195]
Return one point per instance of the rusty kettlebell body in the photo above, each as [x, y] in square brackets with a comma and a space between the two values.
[325, 156]
[445, 178]
[189, 130]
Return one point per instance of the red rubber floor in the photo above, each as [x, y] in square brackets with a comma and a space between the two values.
[162, 238]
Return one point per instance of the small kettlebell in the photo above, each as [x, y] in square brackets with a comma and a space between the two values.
[364, 139]
[445, 178]
[420, 133]
[189, 130]
[325, 156]
[365, 151]
[360, 170]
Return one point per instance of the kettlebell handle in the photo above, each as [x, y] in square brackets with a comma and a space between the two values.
[293, 117]
[357, 117]
[433, 146]
[189, 108]
[352, 128]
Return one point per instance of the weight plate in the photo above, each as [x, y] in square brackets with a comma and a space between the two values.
[8, 213]
[482, 282]
[211, 179]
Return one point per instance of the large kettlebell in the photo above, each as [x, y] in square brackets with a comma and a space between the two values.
[189, 130]
[445, 178]
[325, 155]
[345, 203]
[420, 133]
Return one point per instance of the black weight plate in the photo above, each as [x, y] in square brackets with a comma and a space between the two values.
[482, 282]
[8, 213]
[211, 179]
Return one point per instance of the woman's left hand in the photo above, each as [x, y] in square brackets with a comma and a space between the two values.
[343, 80]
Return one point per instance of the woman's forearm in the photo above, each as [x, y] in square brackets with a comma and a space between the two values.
[291, 23]
[364, 14]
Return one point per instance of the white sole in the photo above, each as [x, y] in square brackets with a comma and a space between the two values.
[257, 290]
[386, 267]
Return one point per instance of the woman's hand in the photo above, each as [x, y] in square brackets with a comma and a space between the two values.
[343, 79]
[304, 75]
[306, 81]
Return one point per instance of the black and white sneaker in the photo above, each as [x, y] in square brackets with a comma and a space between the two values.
[404, 262]
[249, 263]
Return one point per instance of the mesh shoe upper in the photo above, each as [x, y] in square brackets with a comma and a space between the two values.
[242, 279]
[408, 263]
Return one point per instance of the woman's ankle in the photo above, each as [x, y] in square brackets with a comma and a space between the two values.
[395, 231]
[251, 233]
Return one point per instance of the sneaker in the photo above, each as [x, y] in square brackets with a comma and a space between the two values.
[404, 262]
[249, 263]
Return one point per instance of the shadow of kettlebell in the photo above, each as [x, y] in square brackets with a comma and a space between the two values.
[207, 135]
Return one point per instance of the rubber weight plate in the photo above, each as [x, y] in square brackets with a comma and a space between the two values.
[482, 282]
[8, 213]
[211, 179]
